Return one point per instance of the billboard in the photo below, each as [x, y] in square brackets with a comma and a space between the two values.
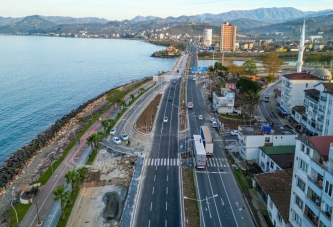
[194, 69]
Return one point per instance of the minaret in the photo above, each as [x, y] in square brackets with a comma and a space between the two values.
[301, 47]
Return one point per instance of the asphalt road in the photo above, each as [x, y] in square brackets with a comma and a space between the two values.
[159, 201]
[221, 201]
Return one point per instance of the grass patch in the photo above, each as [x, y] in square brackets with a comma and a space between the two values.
[91, 158]
[192, 217]
[21, 210]
[243, 181]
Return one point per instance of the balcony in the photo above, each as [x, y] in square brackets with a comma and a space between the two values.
[326, 214]
[318, 182]
[287, 95]
[310, 216]
[288, 88]
[321, 164]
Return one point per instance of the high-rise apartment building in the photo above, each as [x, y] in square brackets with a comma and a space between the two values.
[228, 37]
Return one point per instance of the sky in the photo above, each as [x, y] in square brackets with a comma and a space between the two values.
[128, 9]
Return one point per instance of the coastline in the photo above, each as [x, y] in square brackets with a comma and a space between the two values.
[60, 132]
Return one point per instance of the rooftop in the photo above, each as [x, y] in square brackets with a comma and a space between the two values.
[283, 156]
[322, 144]
[299, 109]
[301, 76]
[328, 87]
[313, 93]
[275, 130]
[278, 186]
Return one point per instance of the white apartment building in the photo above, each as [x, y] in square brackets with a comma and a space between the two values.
[311, 202]
[292, 92]
[252, 137]
[207, 36]
[224, 102]
[276, 158]
[274, 189]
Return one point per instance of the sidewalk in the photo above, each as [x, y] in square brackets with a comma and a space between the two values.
[79, 153]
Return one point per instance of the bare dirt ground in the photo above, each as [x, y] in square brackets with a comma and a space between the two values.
[232, 124]
[103, 194]
[145, 122]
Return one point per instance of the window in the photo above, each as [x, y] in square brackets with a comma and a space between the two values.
[272, 164]
[271, 204]
[279, 217]
[303, 166]
[301, 184]
[299, 202]
[308, 151]
[321, 224]
[262, 154]
[302, 147]
[297, 219]
[267, 139]
[306, 85]
[328, 188]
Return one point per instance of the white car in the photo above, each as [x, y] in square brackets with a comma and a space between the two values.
[200, 117]
[116, 140]
[124, 136]
[113, 131]
[234, 132]
[213, 120]
[165, 119]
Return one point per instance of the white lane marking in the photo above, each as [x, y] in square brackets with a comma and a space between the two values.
[165, 160]
[154, 177]
[149, 223]
[166, 223]
[222, 202]
[151, 205]
[153, 191]
[167, 190]
[158, 161]
[168, 162]
[167, 177]
[177, 162]
[166, 205]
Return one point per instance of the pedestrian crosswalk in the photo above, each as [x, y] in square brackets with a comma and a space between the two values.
[162, 162]
[210, 162]
[217, 162]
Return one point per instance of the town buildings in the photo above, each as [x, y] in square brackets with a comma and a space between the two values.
[311, 202]
[207, 37]
[224, 102]
[227, 37]
[252, 137]
[272, 158]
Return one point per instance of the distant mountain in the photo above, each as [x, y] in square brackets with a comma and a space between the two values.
[245, 23]
[9, 20]
[72, 20]
[141, 19]
[30, 24]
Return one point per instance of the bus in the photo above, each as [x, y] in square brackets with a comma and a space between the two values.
[199, 152]
[207, 140]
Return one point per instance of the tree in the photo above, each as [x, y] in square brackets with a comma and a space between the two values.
[63, 196]
[250, 67]
[81, 173]
[235, 70]
[71, 177]
[271, 62]
[114, 95]
[245, 85]
[132, 97]
[91, 141]
[252, 99]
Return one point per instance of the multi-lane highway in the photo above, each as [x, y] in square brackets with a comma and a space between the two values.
[159, 201]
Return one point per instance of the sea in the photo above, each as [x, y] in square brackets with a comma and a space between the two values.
[44, 78]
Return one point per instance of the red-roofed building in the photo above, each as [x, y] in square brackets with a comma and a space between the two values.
[311, 202]
[292, 92]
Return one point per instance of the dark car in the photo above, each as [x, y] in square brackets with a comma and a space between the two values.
[170, 99]
[172, 88]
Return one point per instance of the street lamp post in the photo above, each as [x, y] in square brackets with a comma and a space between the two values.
[200, 200]
[50, 160]
[11, 203]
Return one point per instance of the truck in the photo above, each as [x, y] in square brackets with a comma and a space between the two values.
[190, 105]
[199, 152]
[207, 140]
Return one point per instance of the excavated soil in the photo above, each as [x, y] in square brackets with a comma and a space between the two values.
[146, 121]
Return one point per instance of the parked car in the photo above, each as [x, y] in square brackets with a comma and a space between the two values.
[113, 131]
[165, 119]
[175, 81]
[170, 99]
[200, 117]
[172, 88]
[213, 120]
[116, 140]
[124, 136]
[234, 132]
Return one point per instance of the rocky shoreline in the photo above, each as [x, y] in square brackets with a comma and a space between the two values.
[15, 166]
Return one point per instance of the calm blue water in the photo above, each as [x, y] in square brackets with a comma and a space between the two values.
[44, 78]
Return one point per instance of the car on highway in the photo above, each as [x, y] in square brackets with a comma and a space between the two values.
[234, 132]
[170, 99]
[213, 120]
[165, 120]
[113, 131]
[124, 136]
[116, 140]
[200, 117]
[172, 88]
[174, 81]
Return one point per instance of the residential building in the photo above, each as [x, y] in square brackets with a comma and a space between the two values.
[298, 114]
[252, 137]
[276, 158]
[231, 83]
[274, 188]
[293, 86]
[224, 102]
[227, 37]
[207, 36]
[278, 95]
[311, 202]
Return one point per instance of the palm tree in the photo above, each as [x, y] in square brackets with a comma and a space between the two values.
[105, 124]
[63, 196]
[81, 172]
[71, 177]
[132, 97]
[90, 141]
